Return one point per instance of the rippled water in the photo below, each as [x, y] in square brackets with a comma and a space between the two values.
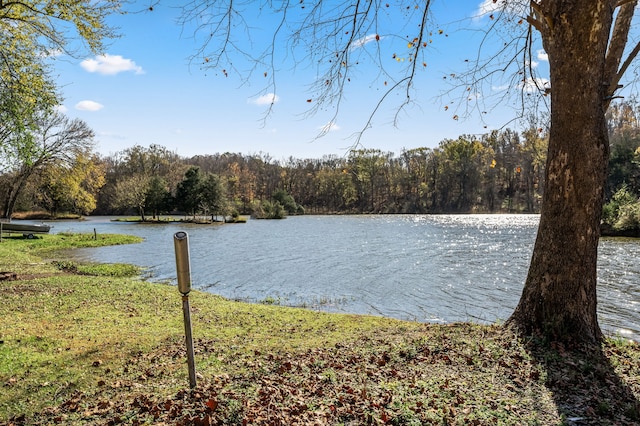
[420, 267]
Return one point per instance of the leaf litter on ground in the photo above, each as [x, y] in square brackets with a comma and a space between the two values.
[459, 374]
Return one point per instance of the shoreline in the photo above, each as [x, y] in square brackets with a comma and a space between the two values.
[82, 348]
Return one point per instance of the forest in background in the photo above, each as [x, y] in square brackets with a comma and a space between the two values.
[499, 172]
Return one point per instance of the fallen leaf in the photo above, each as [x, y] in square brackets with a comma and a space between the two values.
[212, 404]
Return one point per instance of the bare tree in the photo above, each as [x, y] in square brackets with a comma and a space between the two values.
[55, 140]
[586, 49]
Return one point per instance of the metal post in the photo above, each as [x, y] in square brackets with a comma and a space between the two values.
[181, 245]
[191, 362]
[183, 265]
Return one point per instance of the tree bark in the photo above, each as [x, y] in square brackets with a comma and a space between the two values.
[14, 191]
[559, 297]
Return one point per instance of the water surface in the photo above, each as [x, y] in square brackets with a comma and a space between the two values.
[440, 268]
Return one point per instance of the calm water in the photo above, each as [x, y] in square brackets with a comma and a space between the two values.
[418, 267]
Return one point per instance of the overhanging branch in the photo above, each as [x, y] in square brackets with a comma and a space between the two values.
[619, 36]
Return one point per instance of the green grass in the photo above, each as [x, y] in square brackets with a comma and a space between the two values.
[95, 344]
[98, 269]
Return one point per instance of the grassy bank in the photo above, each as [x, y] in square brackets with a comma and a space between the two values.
[89, 344]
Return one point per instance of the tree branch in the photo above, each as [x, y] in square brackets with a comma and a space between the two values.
[618, 76]
[538, 16]
[623, 2]
[617, 44]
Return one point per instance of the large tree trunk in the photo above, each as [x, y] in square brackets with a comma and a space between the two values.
[559, 297]
[14, 192]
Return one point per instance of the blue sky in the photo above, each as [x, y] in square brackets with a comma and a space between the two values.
[144, 90]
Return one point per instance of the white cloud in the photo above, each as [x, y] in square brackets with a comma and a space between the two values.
[53, 53]
[489, 7]
[110, 65]
[361, 42]
[268, 99]
[529, 86]
[535, 84]
[329, 127]
[500, 88]
[542, 55]
[61, 109]
[89, 106]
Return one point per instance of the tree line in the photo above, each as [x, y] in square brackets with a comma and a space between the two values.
[501, 171]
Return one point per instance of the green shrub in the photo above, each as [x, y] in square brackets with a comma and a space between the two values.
[628, 217]
[269, 210]
[285, 200]
[623, 211]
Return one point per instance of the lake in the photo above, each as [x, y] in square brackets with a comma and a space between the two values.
[429, 268]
